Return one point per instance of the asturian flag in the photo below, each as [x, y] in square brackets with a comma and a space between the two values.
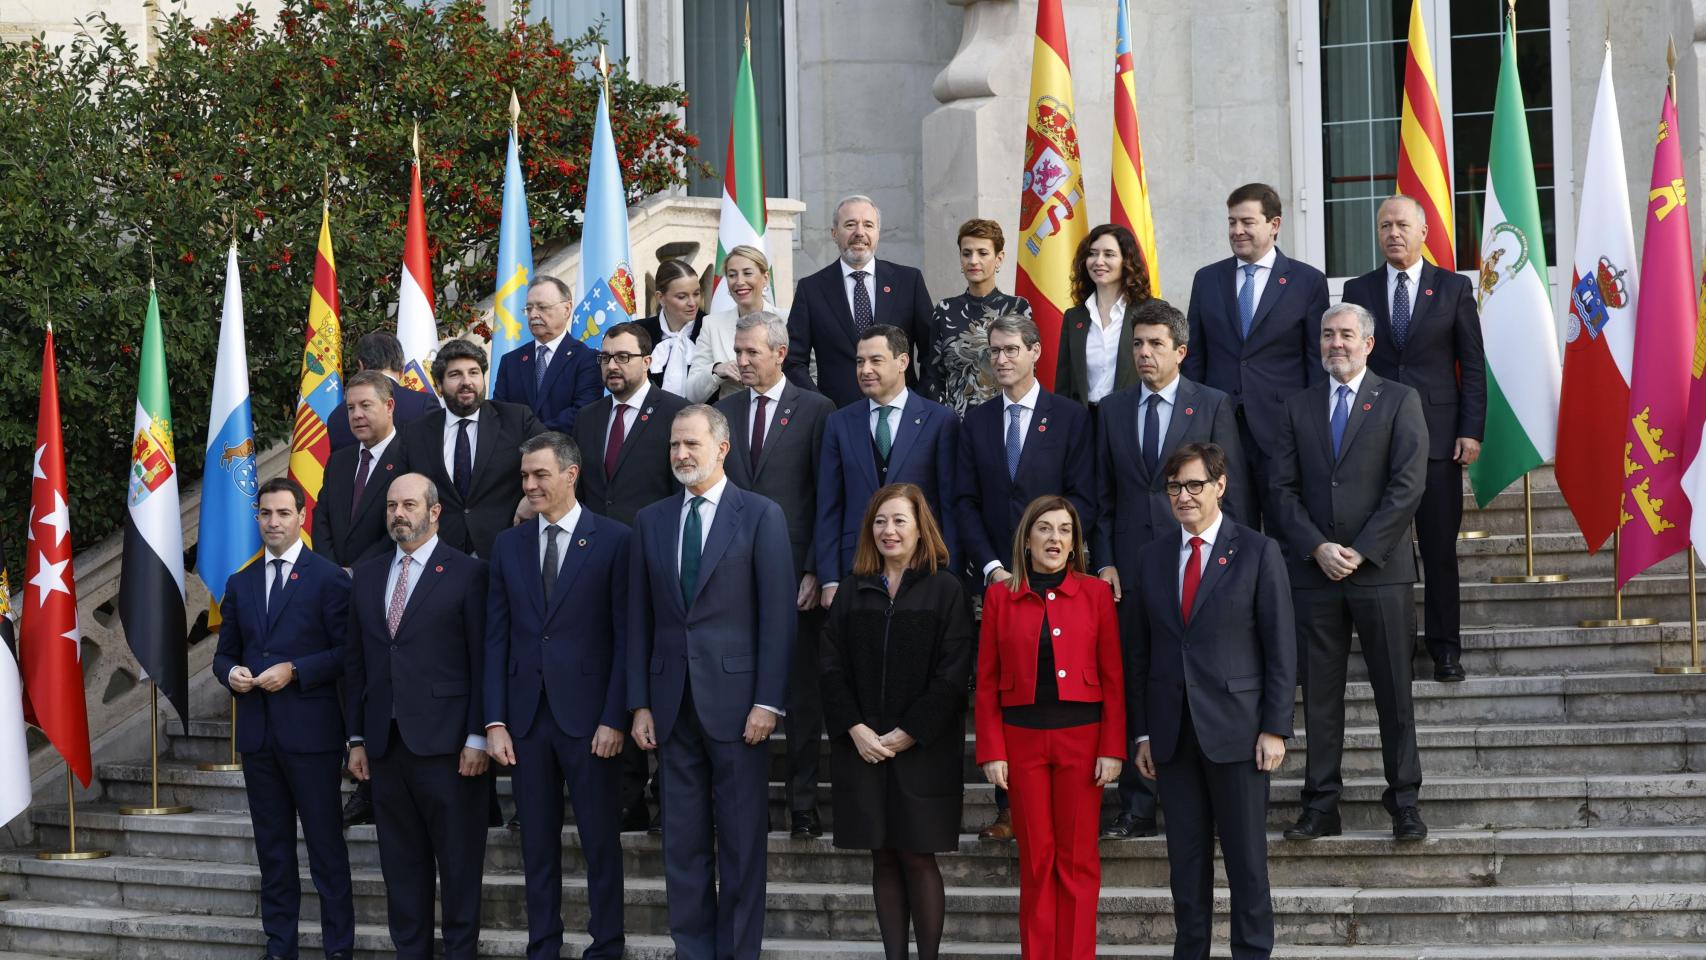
[1129, 204]
[417, 329]
[606, 285]
[14, 748]
[321, 393]
[151, 581]
[744, 217]
[229, 537]
[515, 257]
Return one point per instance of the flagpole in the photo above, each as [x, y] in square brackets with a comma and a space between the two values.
[1617, 618]
[154, 809]
[1693, 666]
[1528, 542]
[71, 852]
[236, 762]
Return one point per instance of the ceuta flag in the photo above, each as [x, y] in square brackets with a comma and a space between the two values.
[321, 390]
[49, 641]
[417, 329]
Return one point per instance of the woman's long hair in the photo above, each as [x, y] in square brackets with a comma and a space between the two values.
[1021, 568]
[930, 555]
[1134, 276]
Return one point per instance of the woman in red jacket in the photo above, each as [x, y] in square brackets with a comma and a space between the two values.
[1051, 723]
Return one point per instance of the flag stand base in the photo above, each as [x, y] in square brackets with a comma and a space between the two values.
[235, 764]
[1620, 622]
[154, 809]
[1473, 534]
[1693, 667]
[71, 853]
[1528, 543]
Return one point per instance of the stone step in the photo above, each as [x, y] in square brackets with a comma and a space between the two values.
[1564, 604]
[1505, 514]
[1504, 555]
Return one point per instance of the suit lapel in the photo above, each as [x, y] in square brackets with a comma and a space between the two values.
[882, 299]
[740, 427]
[1319, 417]
[433, 569]
[379, 478]
[836, 289]
[484, 443]
[1219, 559]
[1361, 406]
[1184, 411]
[907, 431]
[722, 532]
[1421, 298]
[290, 581]
[779, 422]
[573, 554]
[554, 367]
[1113, 411]
[1272, 291]
[1381, 309]
[1229, 290]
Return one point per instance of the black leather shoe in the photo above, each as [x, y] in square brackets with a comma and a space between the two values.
[357, 809]
[1313, 824]
[1449, 670]
[635, 818]
[806, 825]
[655, 827]
[1407, 825]
[514, 824]
[1127, 826]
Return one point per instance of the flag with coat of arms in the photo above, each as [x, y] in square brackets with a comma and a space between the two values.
[606, 286]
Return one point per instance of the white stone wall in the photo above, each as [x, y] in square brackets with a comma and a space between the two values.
[59, 20]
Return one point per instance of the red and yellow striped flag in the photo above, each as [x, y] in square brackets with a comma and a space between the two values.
[1051, 208]
[1129, 206]
[322, 390]
[1424, 168]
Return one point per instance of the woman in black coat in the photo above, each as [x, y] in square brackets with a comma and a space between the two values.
[675, 327]
[896, 655]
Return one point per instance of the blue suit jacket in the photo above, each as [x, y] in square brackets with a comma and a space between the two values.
[572, 652]
[734, 639]
[924, 453]
[305, 627]
[821, 320]
[1055, 459]
[1283, 352]
[407, 406]
[571, 382]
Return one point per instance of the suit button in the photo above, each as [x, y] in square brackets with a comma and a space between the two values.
[1335, 483]
[393, 647]
[1061, 674]
[1243, 363]
[466, 511]
[1051, 596]
[266, 653]
[545, 639]
[1057, 631]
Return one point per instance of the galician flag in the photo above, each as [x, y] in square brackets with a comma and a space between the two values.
[417, 329]
[1051, 196]
[1129, 204]
[515, 256]
[322, 381]
[151, 580]
[229, 538]
[1523, 372]
[1424, 168]
[1599, 338]
[606, 286]
[744, 216]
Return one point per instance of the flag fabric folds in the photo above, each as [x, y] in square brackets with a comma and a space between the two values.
[49, 639]
[151, 579]
[1051, 204]
[1523, 372]
[1694, 477]
[744, 216]
[515, 261]
[1424, 168]
[1129, 202]
[606, 288]
[1599, 337]
[322, 383]
[229, 538]
[417, 329]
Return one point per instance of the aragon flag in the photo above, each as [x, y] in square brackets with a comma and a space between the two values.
[321, 391]
[151, 579]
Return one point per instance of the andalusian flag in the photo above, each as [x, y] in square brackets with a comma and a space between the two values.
[743, 217]
[1523, 371]
[322, 383]
[1424, 168]
[1051, 205]
[1129, 205]
[606, 287]
[515, 256]
[151, 580]
[416, 327]
[229, 539]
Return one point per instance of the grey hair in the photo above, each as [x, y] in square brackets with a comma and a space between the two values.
[567, 451]
[857, 198]
[1421, 214]
[774, 327]
[431, 488]
[714, 418]
[564, 289]
[1365, 320]
[1018, 325]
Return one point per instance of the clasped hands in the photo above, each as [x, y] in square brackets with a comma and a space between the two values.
[875, 749]
[1335, 561]
[271, 680]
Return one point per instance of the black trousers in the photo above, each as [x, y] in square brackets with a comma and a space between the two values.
[803, 723]
[282, 787]
[1256, 468]
[1437, 521]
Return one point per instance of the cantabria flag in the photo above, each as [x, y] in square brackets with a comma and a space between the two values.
[1524, 374]
[743, 218]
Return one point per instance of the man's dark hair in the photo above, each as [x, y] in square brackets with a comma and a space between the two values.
[634, 330]
[1158, 312]
[379, 350]
[897, 339]
[1268, 197]
[1213, 459]
[563, 446]
[283, 485]
[457, 349]
[369, 377]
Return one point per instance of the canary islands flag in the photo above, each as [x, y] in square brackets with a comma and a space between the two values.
[229, 538]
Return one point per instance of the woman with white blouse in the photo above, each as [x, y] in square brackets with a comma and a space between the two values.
[712, 375]
[1109, 279]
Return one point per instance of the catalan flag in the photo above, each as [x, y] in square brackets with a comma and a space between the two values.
[1129, 206]
[1424, 168]
[322, 383]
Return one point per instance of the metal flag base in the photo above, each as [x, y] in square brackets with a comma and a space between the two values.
[235, 763]
[1473, 534]
[1620, 622]
[1693, 667]
[1528, 542]
[1617, 619]
[154, 809]
[71, 852]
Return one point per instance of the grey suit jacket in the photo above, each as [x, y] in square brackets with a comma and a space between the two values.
[787, 465]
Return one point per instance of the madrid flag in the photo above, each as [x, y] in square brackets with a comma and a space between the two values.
[417, 329]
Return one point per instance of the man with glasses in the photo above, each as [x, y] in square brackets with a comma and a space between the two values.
[556, 374]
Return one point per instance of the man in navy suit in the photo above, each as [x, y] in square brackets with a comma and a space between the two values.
[415, 666]
[556, 374]
[835, 307]
[1255, 328]
[382, 353]
[1210, 671]
[711, 630]
[1427, 335]
[349, 515]
[892, 435]
[281, 649]
[556, 694]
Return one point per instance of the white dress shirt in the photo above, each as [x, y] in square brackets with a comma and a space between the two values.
[898, 408]
[774, 395]
[870, 282]
[1027, 405]
[272, 573]
[550, 345]
[378, 451]
[566, 526]
[1208, 537]
[1102, 347]
[450, 428]
[1264, 270]
[1333, 395]
[707, 514]
[1163, 414]
[1414, 272]
[628, 409]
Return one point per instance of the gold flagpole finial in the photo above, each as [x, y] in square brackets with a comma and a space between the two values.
[415, 141]
[1608, 29]
[514, 109]
[1670, 65]
[748, 38]
[604, 70]
[326, 191]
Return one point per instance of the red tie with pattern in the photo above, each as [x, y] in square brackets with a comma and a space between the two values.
[613, 447]
[1193, 577]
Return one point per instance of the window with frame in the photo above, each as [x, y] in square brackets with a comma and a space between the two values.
[713, 32]
[571, 18]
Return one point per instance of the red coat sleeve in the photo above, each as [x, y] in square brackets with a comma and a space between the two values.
[991, 738]
[1111, 739]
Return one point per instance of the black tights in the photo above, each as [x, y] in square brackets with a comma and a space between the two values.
[908, 888]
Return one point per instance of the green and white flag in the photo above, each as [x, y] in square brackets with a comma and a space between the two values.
[1524, 372]
[743, 215]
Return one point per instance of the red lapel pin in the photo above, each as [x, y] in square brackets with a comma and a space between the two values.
[293, 575]
[526, 357]
[388, 466]
[1223, 561]
[644, 417]
[1189, 411]
[1282, 281]
[438, 569]
[887, 290]
[1080, 325]
[1368, 406]
[1042, 428]
[1427, 293]
[784, 421]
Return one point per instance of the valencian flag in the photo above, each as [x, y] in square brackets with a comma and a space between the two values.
[515, 255]
[229, 538]
[1051, 205]
[1523, 373]
[14, 748]
[322, 382]
[1656, 515]
[606, 284]
[744, 217]
[1129, 203]
[151, 582]
[417, 330]
[1599, 339]
[49, 639]
[1424, 169]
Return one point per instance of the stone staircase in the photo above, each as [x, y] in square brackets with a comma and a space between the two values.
[1565, 788]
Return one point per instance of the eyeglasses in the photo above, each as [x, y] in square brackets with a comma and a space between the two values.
[533, 308]
[1194, 487]
[620, 359]
[1010, 352]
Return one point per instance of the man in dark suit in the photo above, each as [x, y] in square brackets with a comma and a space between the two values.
[381, 352]
[1349, 466]
[892, 435]
[469, 450]
[556, 374]
[835, 307]
[1211, 670]
[349, 516]
[775, 437]
[281, 650]
[556, 693]
[416, 662]
[1427, 335]
[1255, 325]
[1141, 427]
[711, 630]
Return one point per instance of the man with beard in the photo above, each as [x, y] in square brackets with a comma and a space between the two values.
[555, 375]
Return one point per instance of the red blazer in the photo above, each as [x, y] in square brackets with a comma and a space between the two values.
[1086, 657]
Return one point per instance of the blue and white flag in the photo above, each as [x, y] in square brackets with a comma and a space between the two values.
[606, 286]
[515, 261]
[229, 537]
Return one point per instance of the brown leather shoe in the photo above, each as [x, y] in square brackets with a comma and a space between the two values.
[1001, 829]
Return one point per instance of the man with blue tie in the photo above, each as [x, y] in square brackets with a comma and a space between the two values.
[711, 631]
[556, 374]
[281, 649]
[556, 694]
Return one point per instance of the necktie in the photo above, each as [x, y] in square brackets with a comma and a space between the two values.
[1401, 311]
[1341, 413]
[862, 314]
[1193, 577]
[548, 571]
[1014, 439]
[543, 361]
[618, 432]
[885, 440]
[1152, 434]
[463, 467]
[1247, 297]
[399, 597]
[361, 473]
[758, 432]
[692, 537]
[277, 589]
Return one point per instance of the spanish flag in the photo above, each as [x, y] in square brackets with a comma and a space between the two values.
[1129, 205]
[322, 384]
[1424, 168]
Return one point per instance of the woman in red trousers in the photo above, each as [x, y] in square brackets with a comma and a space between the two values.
[1051, 723]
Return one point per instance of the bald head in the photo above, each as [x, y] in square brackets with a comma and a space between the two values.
[411, 511]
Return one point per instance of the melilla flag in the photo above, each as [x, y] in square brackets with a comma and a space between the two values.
[50, 643]
[1523, 373]
[1129, 203]
[1599, 338]
[1656, 515]
[151, 581]
[229, 538]
[1051, 204]
[744, 217]
[1424, 168]
[417, 329]
[515, 256]
[322, 383]
[606, 284]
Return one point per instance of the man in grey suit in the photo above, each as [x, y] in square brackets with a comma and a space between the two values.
[1349, 470]
[775, 434]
